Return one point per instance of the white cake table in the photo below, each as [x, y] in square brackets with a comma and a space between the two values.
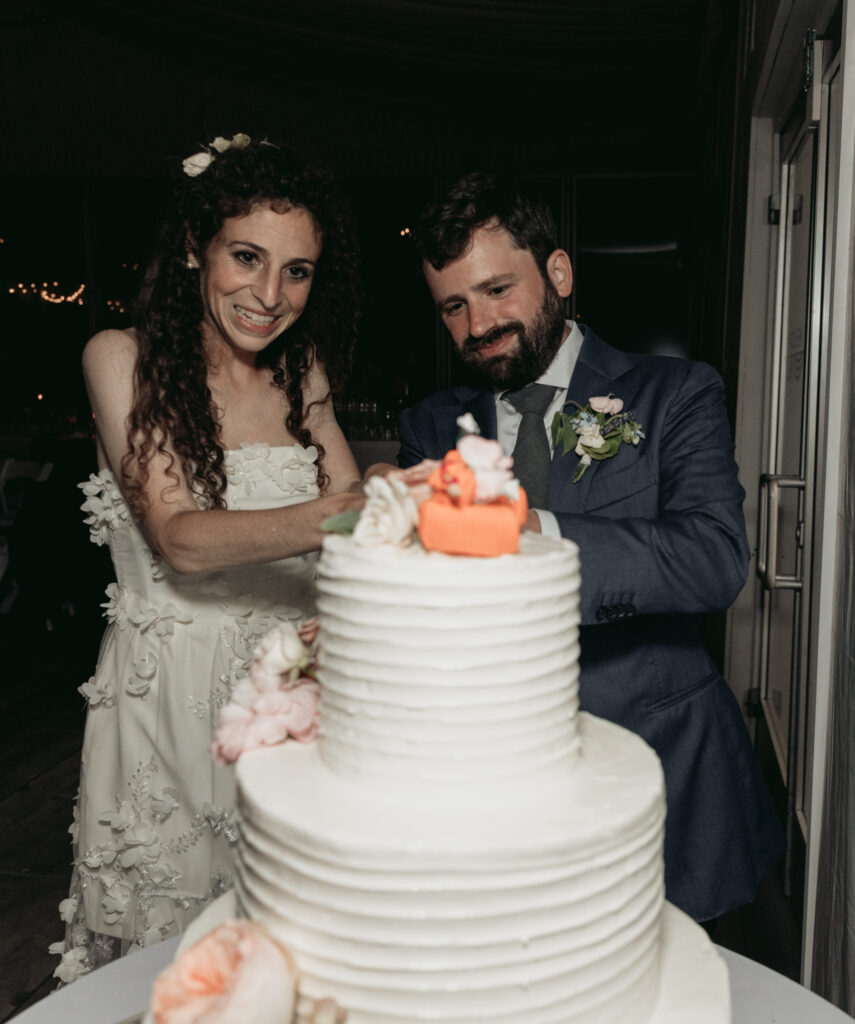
[119, 993]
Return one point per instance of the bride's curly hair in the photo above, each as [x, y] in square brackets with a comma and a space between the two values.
[172, 401]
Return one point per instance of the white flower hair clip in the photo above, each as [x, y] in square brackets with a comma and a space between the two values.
[197, 163]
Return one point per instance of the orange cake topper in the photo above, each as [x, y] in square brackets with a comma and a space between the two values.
[468, 504]
[477, 507]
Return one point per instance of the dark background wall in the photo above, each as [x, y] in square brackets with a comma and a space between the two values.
[618, 110]
[627, 115]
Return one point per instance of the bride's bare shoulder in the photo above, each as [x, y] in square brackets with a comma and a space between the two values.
[109, 352]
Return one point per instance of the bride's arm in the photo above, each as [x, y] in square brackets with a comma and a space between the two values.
[190, 539]
[339, 463]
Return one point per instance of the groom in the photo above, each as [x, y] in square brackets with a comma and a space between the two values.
[659, 524]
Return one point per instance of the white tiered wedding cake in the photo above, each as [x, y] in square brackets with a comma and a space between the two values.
[460, 844]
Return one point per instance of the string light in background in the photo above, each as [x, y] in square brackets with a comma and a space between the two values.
[48, 293]
[405, 232]
[53, 297]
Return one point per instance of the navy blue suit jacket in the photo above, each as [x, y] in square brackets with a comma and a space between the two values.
[662, 539]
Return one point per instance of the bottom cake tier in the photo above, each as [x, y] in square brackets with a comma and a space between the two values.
[541, 904]
[693, 984]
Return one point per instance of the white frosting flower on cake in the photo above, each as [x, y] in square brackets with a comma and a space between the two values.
[278, 653]
[389, 516]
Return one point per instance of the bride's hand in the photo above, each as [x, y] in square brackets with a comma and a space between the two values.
[341, 501]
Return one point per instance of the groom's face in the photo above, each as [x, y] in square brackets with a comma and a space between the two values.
[505, 318]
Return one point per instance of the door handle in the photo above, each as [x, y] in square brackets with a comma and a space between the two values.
[767, 543]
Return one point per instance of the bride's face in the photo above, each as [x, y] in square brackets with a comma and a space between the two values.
[256, 276]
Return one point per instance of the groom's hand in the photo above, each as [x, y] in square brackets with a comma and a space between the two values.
[532, 522]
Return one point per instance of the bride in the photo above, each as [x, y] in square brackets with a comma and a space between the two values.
[219, 455]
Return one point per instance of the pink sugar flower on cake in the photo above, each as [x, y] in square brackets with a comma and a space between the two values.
[279, 698]
[494, 477]
[235, 973]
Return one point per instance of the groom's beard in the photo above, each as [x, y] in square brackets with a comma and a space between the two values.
[537, 343]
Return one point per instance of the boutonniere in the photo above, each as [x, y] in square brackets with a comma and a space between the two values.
[595, 431]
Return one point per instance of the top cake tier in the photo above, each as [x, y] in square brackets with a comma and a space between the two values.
[438, 669]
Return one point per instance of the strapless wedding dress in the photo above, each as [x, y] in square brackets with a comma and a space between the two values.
[153, 829]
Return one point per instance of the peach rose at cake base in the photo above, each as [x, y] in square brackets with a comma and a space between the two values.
[235, 973]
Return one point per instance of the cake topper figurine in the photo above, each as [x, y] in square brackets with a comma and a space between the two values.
[467, 504]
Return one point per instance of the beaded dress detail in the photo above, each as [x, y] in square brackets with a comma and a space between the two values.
[152, 833]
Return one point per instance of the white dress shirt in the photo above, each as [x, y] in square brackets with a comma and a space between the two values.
[557, 375]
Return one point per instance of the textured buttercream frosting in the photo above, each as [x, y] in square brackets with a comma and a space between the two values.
[437, 668]
[460, 845]
[538, 907]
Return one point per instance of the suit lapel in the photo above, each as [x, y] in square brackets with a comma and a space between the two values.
[599, 371]
[481, 404]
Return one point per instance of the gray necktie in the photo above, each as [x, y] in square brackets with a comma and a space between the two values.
[532, 453]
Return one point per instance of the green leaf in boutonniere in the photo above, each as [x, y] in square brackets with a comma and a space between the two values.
[563, 432]
[595, 432]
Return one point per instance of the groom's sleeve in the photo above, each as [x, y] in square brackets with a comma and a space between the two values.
[692, 557]
[418, 436]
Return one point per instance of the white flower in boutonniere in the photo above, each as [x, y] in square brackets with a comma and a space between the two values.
[595, 431]
[196, 164]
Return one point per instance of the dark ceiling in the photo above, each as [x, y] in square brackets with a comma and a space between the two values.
[360, 80]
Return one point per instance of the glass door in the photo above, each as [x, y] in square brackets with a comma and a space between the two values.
[786, 507]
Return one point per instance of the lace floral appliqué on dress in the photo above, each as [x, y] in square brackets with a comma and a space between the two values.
[152, 833]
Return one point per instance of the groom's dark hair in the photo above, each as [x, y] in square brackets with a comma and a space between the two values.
[478, 200]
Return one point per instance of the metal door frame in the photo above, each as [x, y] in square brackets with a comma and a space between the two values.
[809, 121]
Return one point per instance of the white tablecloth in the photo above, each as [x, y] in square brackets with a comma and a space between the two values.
[121, 990]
